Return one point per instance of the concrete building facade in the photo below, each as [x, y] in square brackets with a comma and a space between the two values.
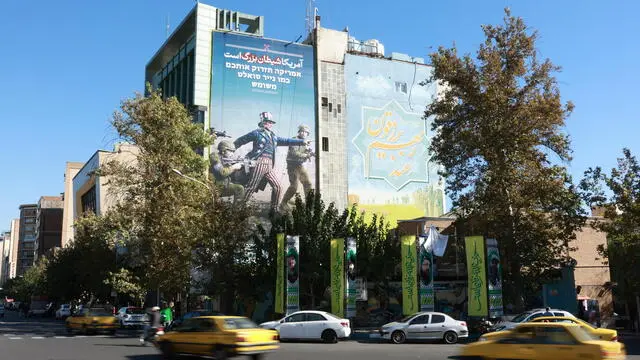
[5, 247]
[27, 239]
[48, 224]
[90, 192]
[182, 65]
[13, 251]
[70, 171]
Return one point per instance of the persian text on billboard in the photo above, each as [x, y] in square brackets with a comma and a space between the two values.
[263, 98]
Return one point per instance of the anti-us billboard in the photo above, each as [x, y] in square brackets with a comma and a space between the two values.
[263, 98]
[390, 170]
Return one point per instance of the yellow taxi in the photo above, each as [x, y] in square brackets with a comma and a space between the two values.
[542, 340]
[595, 333]
[92, 321]
[218, 336]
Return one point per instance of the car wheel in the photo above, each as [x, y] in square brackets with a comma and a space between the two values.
[167, 351]
[450, 337]
[69, 330]
[398, 337]
[329, 337]
[257, 356]
[112, 332]
[220, 354]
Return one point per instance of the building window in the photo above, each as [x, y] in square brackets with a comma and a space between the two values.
[339, 108]
[330, 107]
[401, 87]
[325, 144]
[325, 101]
[89, 201]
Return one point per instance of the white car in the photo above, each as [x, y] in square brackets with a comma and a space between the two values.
[528, 316]
[425, 326]
[63, 312]
[132, 317]
[311, 325]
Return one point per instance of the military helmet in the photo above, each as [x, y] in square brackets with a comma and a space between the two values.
[226, 145]
[304, 128]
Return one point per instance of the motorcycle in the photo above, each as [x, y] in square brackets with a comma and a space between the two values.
[151, 335]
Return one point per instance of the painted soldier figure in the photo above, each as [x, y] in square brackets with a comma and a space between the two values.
[265, 142]
[222, 172]
[296, 157]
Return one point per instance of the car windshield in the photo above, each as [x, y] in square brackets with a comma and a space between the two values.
[239, 323]
[99, 312]
[581, 335]
[521, 317]
[135, 311]
[64, 306]
[406, 319]
[332, 316]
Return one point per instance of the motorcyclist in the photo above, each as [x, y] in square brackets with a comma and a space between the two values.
[154, 324]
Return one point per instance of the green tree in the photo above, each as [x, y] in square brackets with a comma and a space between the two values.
[164, 212]
[618, 194]
[32, 283]
[498, 130]
[79, 271]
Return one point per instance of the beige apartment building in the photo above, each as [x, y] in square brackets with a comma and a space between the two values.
[13, 252]
[90, 193]
[70, 171]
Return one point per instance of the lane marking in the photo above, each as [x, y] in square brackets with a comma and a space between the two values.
[37, 337]
[15, 338]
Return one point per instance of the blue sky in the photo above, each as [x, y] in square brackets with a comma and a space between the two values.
[66, 65]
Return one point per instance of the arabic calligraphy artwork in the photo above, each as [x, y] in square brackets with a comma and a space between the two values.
[337, 277]
[494, 274]
[252, 75]
[477, 277]
[409, 275]
[390, 168]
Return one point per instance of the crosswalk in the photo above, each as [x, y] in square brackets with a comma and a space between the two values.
[33, 336]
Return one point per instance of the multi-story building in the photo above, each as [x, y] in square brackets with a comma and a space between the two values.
[13, 250]
[48, 224]
[363, 110]
[5, 246]
[91, 193]
[27, 239]
[70, 171]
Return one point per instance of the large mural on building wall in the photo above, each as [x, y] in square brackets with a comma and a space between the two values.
[263, 99]
[390, 170]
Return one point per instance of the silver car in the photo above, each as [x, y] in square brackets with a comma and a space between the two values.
[425, 326]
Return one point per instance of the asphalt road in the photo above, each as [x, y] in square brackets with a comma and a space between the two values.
[46, 339]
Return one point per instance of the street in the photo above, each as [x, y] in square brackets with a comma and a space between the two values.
[47, 339]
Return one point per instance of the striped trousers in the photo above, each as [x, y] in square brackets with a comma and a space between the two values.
[264, 170]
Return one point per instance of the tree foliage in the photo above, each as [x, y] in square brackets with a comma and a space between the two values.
[32, 283]
[78, 271]
[161, 210]
[498, 130]
[618, 194]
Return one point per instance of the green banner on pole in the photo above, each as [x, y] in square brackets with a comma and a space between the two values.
[409, 275]
[279, 297]
[477, 275]
[337, 277]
